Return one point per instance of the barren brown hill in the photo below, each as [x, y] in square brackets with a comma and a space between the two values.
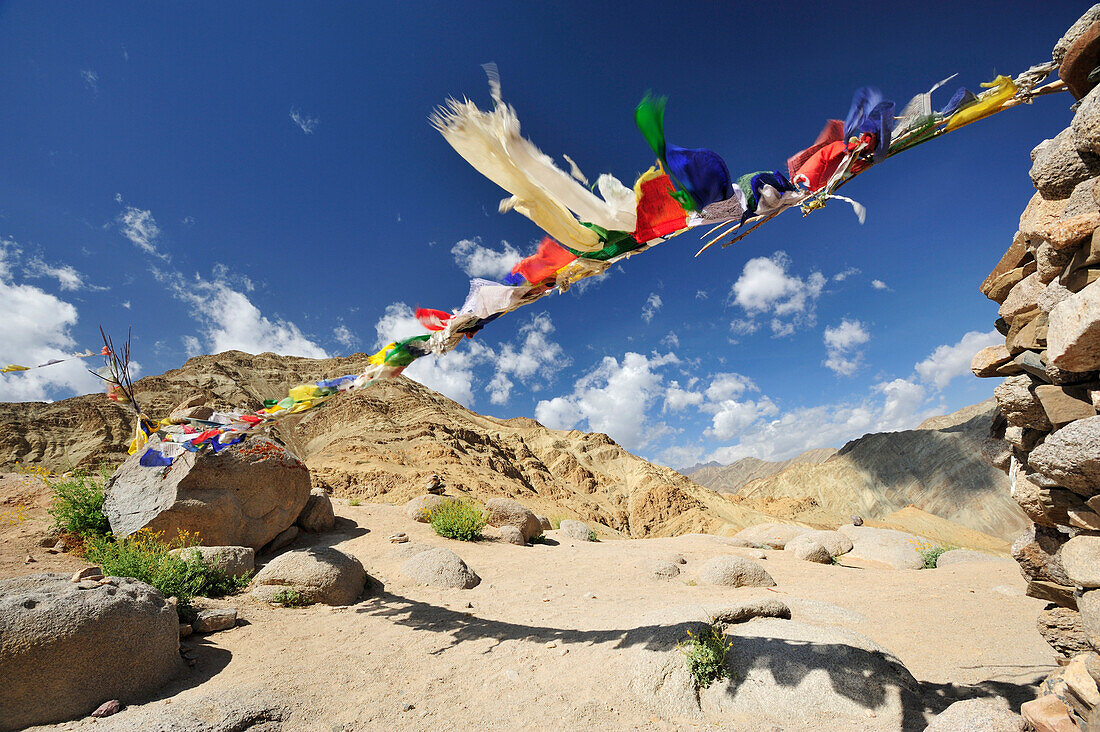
[382, 444]
[937, 468]
[730, 478]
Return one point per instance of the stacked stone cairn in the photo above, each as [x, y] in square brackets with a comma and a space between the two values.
[1047, 433]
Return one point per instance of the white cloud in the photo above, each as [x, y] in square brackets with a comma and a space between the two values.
[67, 277]
[232, 322]
[678, 398]
[536, 359]
[671, 340]
[701, 295]
[478, 261]
[841, 276]
[902, 400]
[765, 287]
[126, 304]
[397, 323]
[841, 346]
[140, 228]
[652, 305]
[343, 335]
[879, 285]
[91, 79]
[305, 122]
[35, 328]
[950, 361]
[614, 397]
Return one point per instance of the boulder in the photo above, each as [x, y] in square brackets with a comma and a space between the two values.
[1071, 456]
[780, 671]
[1058, 166]
[1022, 298]
[984, 714]
[575, 530]
[419, 508]
[1048, 714]
[235, 561]
[319, 574]
[1082, 693]
[986, 361]
[1064, 405]
[812, 552]
[1013, 257]
[1054, 293]
[544, 523]
[506, 512]
[252, 707]
[65, 650]
[1073, 331]
[1019, 405]
[1088, 604]
[317, 516]
[732, 571]
[284, 538]
[244, 495]
[1038, 552]
[213, 620]
[966, 556]
[1081, 560]
[440, 568]
[1050, 262]
[512, 535]
[1061, 628]
[834, 542]
[896, 549]
[772, 535]
[1078, 29]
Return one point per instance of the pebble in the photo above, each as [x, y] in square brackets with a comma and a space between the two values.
[107, 708]
[399, 538]
[30, 560]
[563, 651]
[590, 596]
[512, 674]
[406, 707]
[552, 644]
[469, 604]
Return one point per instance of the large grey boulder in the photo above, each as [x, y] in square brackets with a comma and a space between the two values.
[772, 535]
[1019, 405]
[834, 542]
[440, 568]
[235, 561]
[1081, 560]
[896, 549]
[575, 530]
[1058, 166]
[1073, 331]
[506, 512]
[984, 714]
[1071, 456]
[319, 575]
[782, 674]
[734, 571]
[245, 495]
[317, 516]
[65, 650]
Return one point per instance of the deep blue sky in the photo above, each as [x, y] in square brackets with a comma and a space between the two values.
[118, 117]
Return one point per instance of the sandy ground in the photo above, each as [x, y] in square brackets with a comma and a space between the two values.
[541, 642]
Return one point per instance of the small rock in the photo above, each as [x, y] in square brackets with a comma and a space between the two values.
[29, 560]
[590, 596]
[88, 584]
[512, 535]
[1048, 714]
[665, 570]
[323, 575]
[512, 674]
[1081, 560]
[317, 516]
[435, 485]
[552, 644]
[399, 538]
[735, 572]
[1058, 166]
[406, 707]
[813, 552]
[211, 621]
[857, 521]
[676, 559]
[1061, 628]
[107, 708]
[1019, 405]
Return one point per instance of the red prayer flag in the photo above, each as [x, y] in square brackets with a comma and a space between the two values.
[659, 214]
[832, 132]
[433, 319]
[542, 265]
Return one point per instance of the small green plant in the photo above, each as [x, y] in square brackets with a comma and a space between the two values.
[555, 522]
[691, 583]
[706, 655]
[77, 506]
[592, 536]
[145, 557]
[353, 501]
[457, 520]
[291, 598]
[540, 539]
[931, 554]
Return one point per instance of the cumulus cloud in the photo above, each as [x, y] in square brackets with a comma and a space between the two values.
[140, 228]
[842, 344]
[950, 361]
[305, 122]
[652, 305]
[678, 398]
[879, 285]
[479, 261]
[765, 287]
[534, 361]
[231, 321]
[841, 276]
[35, 327]
[615, 398]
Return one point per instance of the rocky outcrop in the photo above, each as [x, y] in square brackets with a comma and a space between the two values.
[244, 495]
[65, 647]
[1051, 319]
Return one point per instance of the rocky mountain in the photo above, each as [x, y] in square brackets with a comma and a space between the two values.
[382, 444]
[937, 467]
[730, 478]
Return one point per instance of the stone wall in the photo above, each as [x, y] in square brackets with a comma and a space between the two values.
[1047, 433]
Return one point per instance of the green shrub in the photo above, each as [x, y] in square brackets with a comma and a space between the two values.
[291, 598]
[931, 554]
[77, 506]
[145, 557]
[592, 536]
[706, 655]
[457, 520]
[353, 501]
